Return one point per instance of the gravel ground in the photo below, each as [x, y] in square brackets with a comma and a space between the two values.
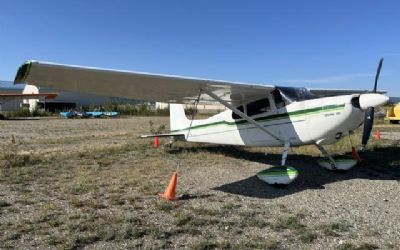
[93, 184]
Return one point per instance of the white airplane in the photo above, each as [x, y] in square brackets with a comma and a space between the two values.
[256, 115]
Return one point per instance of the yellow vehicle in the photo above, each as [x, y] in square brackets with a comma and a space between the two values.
[393, 114]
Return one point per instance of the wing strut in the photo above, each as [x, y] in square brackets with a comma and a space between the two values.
[241, 114]
[195, 108]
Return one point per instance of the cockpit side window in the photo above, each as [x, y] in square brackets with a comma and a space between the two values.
[258, 107]
[236, 116]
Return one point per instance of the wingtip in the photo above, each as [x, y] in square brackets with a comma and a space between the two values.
[23, 72]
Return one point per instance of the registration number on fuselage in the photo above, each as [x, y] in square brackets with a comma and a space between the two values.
[332, 114]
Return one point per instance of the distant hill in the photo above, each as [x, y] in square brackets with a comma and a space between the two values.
[394, 99]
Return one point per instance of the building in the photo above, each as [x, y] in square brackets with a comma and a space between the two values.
[7, 87]
[67, 100]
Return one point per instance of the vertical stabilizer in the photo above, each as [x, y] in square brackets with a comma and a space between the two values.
[178, 119]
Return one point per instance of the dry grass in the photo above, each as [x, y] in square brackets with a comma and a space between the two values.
[91, 183]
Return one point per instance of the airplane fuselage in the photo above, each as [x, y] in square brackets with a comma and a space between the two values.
[321, 120]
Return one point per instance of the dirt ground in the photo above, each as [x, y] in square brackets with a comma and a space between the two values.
[68, 184]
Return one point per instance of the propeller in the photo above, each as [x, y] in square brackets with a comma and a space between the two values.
[369, 113]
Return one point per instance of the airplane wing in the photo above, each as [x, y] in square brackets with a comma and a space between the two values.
[152, 87]
[335, 92]
[135, 85]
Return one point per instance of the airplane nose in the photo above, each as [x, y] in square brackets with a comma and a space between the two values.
[372, 100]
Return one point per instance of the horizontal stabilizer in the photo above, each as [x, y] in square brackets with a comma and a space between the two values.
[176, 136]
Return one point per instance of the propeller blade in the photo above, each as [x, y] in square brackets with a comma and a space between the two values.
[369, 113]
[378, 72]
[368, 122]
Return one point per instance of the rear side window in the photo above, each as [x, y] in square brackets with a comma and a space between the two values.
[236, 116]
[258, 107]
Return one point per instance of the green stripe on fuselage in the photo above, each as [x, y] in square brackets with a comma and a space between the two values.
[311, 111]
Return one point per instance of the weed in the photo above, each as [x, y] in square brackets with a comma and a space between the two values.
[308, 236]
[157, 130]
[287, 222]
[130, 231]
[205, 245]
[183, 219]
[185, 230]
[157, 233]
[77, 202]
[230, 206]
[366, 246]
[258, 243]
[26, 200]
[4, 203]
[206, 211]
[334, 229]
[13, 236]
[107, 234]
[55, 222]
[254, 222]
[21, 112]
[54, 240]
[249, 219]
[97, 204]
[116, 199]
[346, 246]
[165, 206]
[11, 158]
[82, 239]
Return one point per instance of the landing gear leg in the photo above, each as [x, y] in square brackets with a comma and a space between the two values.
[285, 152]
[332, 162]
[171, 141]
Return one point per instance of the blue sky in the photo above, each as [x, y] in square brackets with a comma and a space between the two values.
[319, 44]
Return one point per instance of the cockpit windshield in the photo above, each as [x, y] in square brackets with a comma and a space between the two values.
[292, 94]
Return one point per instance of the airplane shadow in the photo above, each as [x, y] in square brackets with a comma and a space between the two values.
[379, 164]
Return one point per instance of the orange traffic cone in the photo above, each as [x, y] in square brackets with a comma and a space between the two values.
[169, 193]
[355, 154]
[156, 142]
[378, 135]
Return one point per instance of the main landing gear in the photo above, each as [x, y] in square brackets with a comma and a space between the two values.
[279, 175]
[284, 174]
[332, 164]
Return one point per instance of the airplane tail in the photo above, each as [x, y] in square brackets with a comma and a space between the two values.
[178, 119]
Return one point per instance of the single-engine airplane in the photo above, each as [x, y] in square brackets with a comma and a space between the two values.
[256, 115]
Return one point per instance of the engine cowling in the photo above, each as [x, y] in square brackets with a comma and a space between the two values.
[372, 100]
